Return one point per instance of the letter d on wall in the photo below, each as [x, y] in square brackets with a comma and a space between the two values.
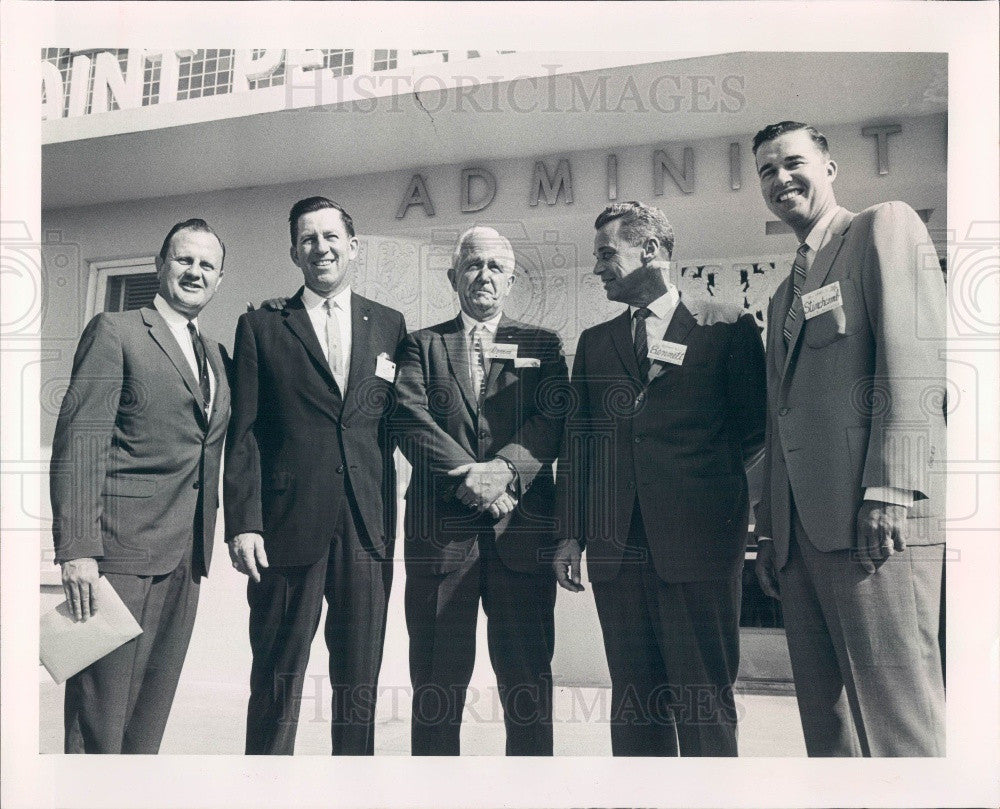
[488, 180]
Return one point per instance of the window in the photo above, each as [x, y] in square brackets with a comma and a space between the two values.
[384, 59]
[119, 285]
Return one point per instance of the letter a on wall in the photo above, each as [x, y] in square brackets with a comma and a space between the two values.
[416, 194]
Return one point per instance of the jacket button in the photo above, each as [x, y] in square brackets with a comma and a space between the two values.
[340, 470]
[638, 439]
[784, 411]
[196, 484]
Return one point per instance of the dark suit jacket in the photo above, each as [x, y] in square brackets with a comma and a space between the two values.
[676, 444]
[442, 425]
[296, 445]
[135, 464]
[857, 401]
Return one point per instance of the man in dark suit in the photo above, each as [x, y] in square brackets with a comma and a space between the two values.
[669, 405]
[310, 485]
[476, 419]
[134, 485]
[851, 514]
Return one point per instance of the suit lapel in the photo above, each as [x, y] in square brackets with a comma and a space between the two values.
[219, 370]
[361, 325]
[458, 358]
[621, 337]
[818, 272]
[297, 319]
[782, 296]
[160, 332]
[506, 333]
[680, 325]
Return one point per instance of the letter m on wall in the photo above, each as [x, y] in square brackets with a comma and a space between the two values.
[548, 188]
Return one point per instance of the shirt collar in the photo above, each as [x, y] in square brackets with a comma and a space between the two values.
[175, 320]
[817, 236]
[469, 323]
[663, 307]
[342, 300]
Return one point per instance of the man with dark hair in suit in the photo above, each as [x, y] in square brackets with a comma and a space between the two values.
[477, 421]
[134, 485]
[310, 485]
[851, 514]
[668, 407]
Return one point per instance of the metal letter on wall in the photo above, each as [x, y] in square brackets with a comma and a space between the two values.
[416, 194]
[735, 167]
[881, 135]
[549, 187]
[684, 180]
[476, 173]
[612, 177]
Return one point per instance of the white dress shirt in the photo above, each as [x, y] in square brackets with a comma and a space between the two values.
[317, 316]
[178, 325]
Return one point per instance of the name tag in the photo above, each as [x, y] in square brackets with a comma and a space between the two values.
[821, 300]
[385, 368]
[501, 351]
[665, 351]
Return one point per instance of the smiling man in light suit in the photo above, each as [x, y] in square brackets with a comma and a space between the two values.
[852, 507]
[134, 485]
[477, 418]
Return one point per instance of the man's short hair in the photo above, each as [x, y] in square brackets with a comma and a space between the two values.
[638, 223]
[773, 131]
[198, 225]
[310, 204]
[494, 235]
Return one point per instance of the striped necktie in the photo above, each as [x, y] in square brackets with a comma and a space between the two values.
[478, 361]
[799, 269]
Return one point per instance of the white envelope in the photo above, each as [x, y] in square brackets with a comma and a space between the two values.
[526, 362]
[67, 646]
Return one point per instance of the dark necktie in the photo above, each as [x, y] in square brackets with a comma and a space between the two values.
[799, 269]
[640, 342]
[199, 355]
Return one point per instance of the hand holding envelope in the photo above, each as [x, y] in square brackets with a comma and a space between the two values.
[67, 646]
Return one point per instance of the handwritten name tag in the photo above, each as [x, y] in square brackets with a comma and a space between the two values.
[385, 368]
[501, 351]
[821, 300]
[665, 351]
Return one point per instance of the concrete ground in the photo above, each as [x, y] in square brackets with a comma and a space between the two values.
[209, 709]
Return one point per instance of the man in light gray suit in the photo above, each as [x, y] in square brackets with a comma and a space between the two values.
[852, 508]
[134, 484]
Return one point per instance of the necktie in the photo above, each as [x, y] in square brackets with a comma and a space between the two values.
[640, 341]
[199, 355]
[799, 269]
[334, 355]
[478, 361]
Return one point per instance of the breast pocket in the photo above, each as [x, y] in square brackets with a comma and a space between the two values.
[842, 321]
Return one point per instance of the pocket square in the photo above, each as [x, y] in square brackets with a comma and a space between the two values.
[526, 362]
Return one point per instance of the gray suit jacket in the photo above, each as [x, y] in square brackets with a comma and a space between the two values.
[857, 399]
[135, 463]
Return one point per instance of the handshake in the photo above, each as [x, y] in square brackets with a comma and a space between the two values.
[487, 486]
